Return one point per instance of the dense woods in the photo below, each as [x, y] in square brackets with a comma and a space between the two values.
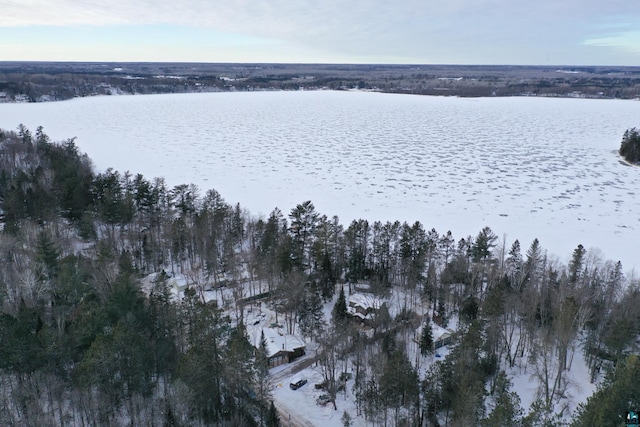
[55, 81]
[92, 333]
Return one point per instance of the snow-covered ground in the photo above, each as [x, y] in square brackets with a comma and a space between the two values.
[301, 406]
[527, 167]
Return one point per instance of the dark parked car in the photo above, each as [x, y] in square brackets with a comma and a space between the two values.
[297, 383]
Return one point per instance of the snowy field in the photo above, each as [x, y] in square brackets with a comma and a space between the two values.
[526, 167]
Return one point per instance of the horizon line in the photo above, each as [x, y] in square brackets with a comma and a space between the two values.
[398, 64]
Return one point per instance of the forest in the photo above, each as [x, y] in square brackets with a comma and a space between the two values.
[55, 81]
[93, 334]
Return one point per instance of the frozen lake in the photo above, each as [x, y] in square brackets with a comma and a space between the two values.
[526, 167]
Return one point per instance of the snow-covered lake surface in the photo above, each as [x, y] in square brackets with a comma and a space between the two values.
[526, 167]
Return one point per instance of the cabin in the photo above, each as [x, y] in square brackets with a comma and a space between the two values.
[441, 336]
[178, 283]
[282, 348]
[364, 307]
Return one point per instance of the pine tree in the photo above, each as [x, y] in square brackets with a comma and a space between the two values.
[239, 360]
[163, 320]
[399, 382]
[576, 264]
[514, 265]
[273, 420]
[304, 220]
[262, 376]
[346, 419]
[617, 394]
[507, 411]
[327, 277]
[483, 245]
[310, 313]
[24, 133]
[340, 309]
[533, 264]
[426, 340]
[630, 145]
[47, 254]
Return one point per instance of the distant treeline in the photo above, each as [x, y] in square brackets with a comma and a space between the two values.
[36, 82]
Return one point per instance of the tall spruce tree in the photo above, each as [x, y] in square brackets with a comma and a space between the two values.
[273, 420]
[340, 309]
[576, 264]
[426, 339]
[261, 387]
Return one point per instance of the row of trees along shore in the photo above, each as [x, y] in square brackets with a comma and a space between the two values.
[82, 344]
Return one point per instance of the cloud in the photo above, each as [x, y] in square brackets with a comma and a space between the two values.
[627, 41]
[401, 31]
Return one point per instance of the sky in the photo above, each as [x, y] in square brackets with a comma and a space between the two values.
[541, 32]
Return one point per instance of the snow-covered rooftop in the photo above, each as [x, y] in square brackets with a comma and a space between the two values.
[438, 331]
[278, 341]
[365, 301]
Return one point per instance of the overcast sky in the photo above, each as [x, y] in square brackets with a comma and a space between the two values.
[539, 32]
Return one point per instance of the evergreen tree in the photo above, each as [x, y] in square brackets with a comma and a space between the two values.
[514, 267]
[506, 411]
[483, 245]
[469, 310]
[47, 254]
[24, 133]
[72, 176]
[261, 367]
[630, 145]
[238, 365]
[310, 313]
[426, 339]
[346, 419]
[326, 277]
[618, 394]
[273, 420]
[356, 238]
[163, 319]
[108, 197]
[41, 137]
[576, 264]
[21, 351]
[459, 379]
[446, 246]
[399, 382]
[413, 253]
[304, 220]
[340, 313]
[533, 263]
[119, 364]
